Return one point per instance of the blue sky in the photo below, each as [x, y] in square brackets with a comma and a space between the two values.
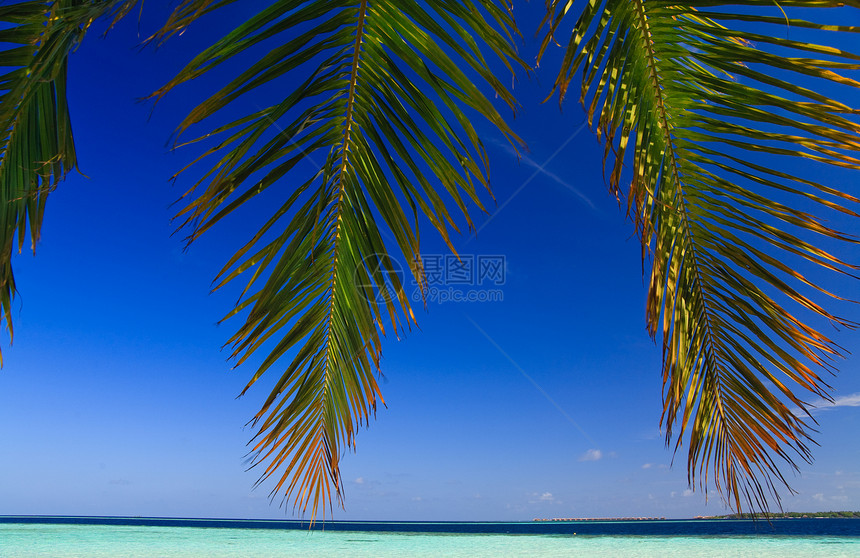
[115, 398]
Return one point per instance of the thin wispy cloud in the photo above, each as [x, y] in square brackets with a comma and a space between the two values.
[542, 169]
[538, 171]
[530, 379]
[819, 405]
[528, 161]
[852, 400]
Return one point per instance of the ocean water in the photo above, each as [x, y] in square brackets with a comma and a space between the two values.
[68, 539]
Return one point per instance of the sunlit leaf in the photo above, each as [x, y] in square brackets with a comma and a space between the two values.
[702, 104]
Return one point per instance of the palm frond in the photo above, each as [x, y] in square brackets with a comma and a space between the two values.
[36, 144]
[378, 104]
[705, 106]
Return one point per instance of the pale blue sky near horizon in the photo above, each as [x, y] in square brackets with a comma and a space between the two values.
[115, 398]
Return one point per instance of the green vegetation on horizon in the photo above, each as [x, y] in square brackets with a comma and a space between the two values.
[699, 103]
[788, 515]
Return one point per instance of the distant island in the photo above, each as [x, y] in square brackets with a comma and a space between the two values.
[781, 515]
[787, 515]
[599, 519]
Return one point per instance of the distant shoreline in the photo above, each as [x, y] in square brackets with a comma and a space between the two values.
[523, 527]
[600, 519]
[781, 515]
[834, 526]
[788, 515]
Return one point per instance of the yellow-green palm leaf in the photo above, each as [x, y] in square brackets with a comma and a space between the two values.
[700, 104]
[377, 100]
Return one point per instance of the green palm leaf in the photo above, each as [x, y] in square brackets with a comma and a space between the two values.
[36, 144]
[378, 102]
[707, 107]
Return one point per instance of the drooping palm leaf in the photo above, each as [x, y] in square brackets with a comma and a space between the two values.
[378, 97]
[36, 144]
[707, 101]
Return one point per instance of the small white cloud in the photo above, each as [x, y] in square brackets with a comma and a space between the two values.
[673, 494]
[417, 498]
[688, 493]
[591, 455]
[359, 480]
[647, 465]
[544, 498]
[819, 497]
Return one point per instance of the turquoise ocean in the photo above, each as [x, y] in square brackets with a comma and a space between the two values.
[180, 538]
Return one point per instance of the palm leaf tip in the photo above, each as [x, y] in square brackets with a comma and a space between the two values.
[702, 111]
[383, 116]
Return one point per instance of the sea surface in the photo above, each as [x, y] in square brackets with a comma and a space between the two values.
[30, 536]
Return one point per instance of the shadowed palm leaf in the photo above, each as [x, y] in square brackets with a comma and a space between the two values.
[709, 107]
[36, 145]
[379, 106]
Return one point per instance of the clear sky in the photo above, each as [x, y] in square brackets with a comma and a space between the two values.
[115, 398]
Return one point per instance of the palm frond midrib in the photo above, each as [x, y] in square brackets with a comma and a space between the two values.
[657, 84]
[348, 124]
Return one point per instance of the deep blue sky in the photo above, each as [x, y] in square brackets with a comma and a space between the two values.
[116, 400]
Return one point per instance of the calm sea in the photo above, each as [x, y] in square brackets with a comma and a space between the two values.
[180, 538]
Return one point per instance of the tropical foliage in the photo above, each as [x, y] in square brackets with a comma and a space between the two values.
[36, 145]
[698, 103]
[697, 95]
